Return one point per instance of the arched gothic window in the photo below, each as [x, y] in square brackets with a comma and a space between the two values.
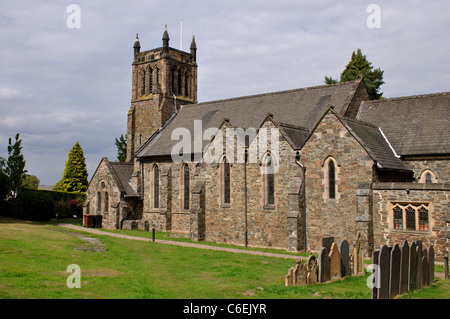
[330, 168]
[102, 198]
[428, 176]
[331, 180]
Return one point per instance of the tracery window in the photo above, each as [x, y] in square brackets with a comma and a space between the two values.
[102, 198]
[413, 216]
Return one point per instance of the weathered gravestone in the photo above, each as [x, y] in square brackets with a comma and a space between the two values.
[299, 274]
[425, 254]
[358, 258]
[425, 271]
[431, 265]
[412, 266]
[324, 265]
[375, 274]
[288, 279]
[384, 263]
[404, 268]
[327, 242]
[335, 262]
[345, 258]
[394, 274]
[313, 270]
[296, 275]
[419, 267]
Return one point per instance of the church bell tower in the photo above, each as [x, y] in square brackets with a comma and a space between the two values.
[162, 78]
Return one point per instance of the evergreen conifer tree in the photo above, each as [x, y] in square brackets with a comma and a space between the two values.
[121, 144]
[75, 174]
[359, 65]
[15, 166]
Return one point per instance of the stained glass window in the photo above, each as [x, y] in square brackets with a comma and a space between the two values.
[410, 218]
[398, 218]
[423, 219]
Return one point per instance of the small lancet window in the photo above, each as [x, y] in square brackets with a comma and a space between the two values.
[186, 187]
[428, 178]
[225, 179]
[155, 186]
[331, 179]
[269, 181]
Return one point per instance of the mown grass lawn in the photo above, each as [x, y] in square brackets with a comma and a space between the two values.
[34, 258]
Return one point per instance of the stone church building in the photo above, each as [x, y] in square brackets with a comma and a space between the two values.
[280, 170]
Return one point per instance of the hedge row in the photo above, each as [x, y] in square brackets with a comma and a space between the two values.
[42, 205]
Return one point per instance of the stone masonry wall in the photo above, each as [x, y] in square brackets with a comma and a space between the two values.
[437, 196]
[345, 215]
[118, 209]
[266, 226]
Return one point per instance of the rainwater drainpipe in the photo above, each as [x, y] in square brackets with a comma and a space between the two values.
[245, 193]
[297, 160]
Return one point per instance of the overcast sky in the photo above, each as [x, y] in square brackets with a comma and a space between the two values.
[60, 85]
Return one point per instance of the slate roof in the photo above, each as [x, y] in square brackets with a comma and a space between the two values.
[123, 172]
[299, 110]
[414, 125]
[376, 145]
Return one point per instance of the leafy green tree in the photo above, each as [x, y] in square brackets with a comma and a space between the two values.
[15, 166]
[360, 66]
[75, 174]
[121, 144]
[30, 182]
[4, 181]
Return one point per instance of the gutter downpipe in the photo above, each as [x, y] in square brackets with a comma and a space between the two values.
[245, 194]
[297, 161]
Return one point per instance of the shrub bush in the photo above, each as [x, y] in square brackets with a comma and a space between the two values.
[32, 206]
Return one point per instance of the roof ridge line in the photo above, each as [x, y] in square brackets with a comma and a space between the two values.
[400, 98]
[272, 93]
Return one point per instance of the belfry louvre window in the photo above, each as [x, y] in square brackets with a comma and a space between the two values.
[411, 216]
[150, 81]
